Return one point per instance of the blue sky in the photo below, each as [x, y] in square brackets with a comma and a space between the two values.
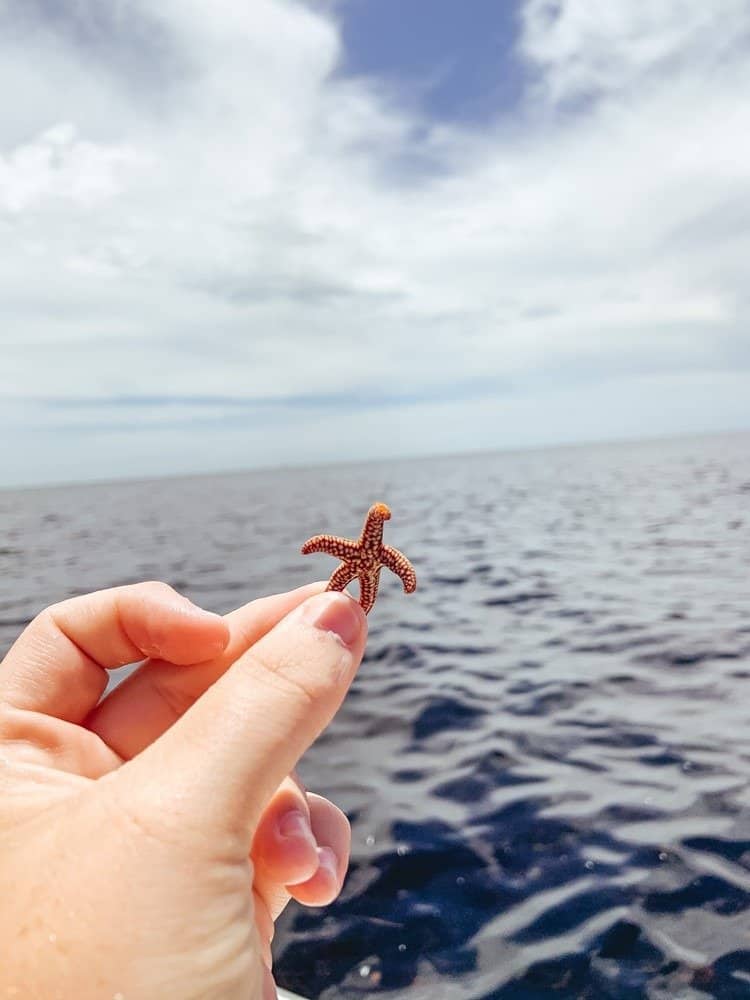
[269, 232]
[455, 62]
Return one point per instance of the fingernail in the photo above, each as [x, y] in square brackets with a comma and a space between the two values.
[337, 613]
[328, 861]
[295, 824]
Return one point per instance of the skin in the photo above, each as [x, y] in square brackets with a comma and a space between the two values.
[149, 840]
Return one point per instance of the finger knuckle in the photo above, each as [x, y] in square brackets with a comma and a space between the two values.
[154, 588]
[286, 673]
[46, 625]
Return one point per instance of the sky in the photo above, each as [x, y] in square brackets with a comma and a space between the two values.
[267, 232]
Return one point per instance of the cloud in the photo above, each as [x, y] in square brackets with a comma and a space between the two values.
[196, 202]
[625, 48]
[57, 166]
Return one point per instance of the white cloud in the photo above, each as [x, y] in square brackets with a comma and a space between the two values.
[587, 50]
[58, 166]
[214, 211]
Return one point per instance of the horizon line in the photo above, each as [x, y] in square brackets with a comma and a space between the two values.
[23, 487]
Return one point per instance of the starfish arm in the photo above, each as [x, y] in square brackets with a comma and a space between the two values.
[397, 563]
[340, 548]
[368, 590]
[372, 532]
[341, 577]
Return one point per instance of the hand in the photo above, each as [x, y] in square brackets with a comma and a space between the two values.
[149, 840]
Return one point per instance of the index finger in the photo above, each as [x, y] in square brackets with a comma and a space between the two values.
[152, 698]
[59, 664]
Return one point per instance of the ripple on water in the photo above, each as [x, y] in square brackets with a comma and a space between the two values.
[545, 756]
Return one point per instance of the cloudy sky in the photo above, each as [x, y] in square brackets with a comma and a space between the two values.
[253, 232]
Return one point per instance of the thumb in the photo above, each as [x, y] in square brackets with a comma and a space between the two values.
[224, 758]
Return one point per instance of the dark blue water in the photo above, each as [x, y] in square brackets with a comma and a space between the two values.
[546, 755]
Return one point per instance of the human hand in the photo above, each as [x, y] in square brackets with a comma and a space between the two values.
[148, 842]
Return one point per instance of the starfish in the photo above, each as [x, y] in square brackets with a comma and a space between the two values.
[364, 558]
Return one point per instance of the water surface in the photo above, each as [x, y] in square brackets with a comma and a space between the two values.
[546, 755]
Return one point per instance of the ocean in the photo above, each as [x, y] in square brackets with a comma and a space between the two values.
[546, 754]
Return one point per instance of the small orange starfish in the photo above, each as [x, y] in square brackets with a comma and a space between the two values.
[364, 558]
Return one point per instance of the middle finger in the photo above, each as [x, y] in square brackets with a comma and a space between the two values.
[279, 874]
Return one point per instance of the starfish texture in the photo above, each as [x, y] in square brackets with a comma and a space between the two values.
[364, 558]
